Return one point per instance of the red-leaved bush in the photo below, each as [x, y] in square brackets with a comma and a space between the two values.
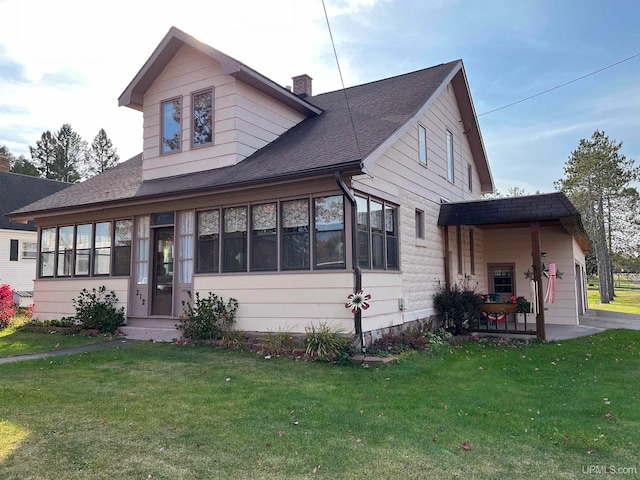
[8, 307]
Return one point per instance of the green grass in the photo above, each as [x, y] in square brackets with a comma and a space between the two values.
[15, 341]
[627, 299]
[163, 411]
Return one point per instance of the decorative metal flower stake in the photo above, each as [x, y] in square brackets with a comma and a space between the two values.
[358, 301]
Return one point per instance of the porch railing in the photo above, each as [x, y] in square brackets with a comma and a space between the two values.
[504, 318]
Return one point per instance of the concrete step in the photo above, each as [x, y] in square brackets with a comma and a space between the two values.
[157, 334]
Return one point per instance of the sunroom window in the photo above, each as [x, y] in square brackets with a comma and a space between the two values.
[234, 239]
[295, 234]
[264, 237]
[329, 232]
[377, 234]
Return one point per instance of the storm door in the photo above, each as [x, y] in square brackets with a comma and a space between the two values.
[163, 265]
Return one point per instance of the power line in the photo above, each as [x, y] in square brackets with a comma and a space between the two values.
[560, 86]
[335, 53]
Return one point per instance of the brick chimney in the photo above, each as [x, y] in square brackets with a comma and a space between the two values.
[302, 85]
[5, 166]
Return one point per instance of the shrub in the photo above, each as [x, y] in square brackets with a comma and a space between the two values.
[208, 318]
[8, 307]
[277, 343]
[459, 307]
[326, 343]
[96, 310]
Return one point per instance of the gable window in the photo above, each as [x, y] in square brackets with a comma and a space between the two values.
[13, 250]
[264, 237]
[422, 144]
[450, 156]
[29, 250]
[470, 177]
[295, 235]
[234, 239]
[208, 241]
[171, 125]
[329, 232]
[362, 205]
[83, 249]
[419, 224]
[202, 118]
[47, 251]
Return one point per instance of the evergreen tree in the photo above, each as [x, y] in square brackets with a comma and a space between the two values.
[69, 155]
[44, 154]
[102, 155]
[24, 167]
[598, 181]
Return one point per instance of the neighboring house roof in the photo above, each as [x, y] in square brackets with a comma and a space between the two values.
[515, 211]
[321, 144]
[18, 190]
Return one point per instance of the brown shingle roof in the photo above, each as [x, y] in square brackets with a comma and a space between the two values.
[516, 210]
[321, 144]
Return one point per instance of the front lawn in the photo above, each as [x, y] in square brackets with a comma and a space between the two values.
[478, 410]
[16, 341]
[627, 299]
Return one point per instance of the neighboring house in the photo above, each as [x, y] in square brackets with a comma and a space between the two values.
[19, 241]
[283, 200]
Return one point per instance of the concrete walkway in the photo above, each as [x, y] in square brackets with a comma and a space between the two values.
[66, 351]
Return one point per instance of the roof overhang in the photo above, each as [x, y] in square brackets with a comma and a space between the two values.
[552, 209]
[175, 39]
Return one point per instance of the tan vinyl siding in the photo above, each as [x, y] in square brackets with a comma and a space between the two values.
[244, 119]
[54, 298]
[386, 291]
[399, 176]
[285, 301]
[558, 246]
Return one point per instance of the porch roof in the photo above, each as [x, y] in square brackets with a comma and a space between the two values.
[548, 208]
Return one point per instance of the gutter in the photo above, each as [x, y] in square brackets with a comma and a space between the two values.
[357, 273]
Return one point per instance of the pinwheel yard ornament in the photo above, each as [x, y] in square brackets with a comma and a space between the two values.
[358, 301]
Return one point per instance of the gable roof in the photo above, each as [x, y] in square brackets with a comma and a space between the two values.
[18, 190]
[319, 145]
[514, 211]
[169, 46]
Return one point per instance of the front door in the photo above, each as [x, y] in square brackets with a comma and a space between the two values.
[501, 281]
[162, 288]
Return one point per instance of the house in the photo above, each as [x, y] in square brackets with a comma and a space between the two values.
[19, 241]
[284, 200]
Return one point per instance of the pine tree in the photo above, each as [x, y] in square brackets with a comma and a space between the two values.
[102, 155]
[70, 155]
[598, 181]
[44, 153]
[24, 167]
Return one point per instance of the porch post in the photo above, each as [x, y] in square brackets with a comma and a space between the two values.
[537, 277]
[447, 260]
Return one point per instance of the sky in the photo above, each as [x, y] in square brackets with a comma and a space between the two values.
[68, 61]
